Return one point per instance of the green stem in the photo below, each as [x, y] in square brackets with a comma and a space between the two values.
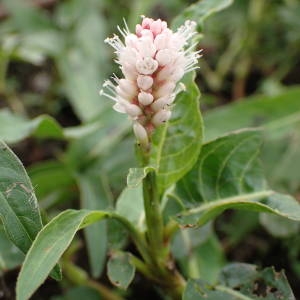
[153, 218]
[79, 276]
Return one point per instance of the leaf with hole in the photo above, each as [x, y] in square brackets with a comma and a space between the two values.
[241, 282]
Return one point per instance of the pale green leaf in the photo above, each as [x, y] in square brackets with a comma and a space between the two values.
[176, 145]
[10, 255]
[271, 113]
[15, 128]
[136, 176]
[48, 247]
[82, 64]
[201, 10]
[279, 226]
[93, 196]
[120, 269]
[131, 206]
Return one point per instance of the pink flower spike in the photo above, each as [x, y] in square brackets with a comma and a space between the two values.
[153, 60]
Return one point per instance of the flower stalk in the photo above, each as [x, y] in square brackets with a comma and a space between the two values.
[153, 60]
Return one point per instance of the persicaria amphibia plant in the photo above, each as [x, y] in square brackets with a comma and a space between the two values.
[181, 182]
[153, 61]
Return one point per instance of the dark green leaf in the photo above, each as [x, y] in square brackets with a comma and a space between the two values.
[19, 210]
[279, 116]
[51, 179]
[176, 145]
[120, 270]
[228, 175]
[242, 282]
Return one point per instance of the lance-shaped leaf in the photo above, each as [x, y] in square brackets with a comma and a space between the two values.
[228, 175]
[176, 145]
[241, 282]
[49, 245]
[14, 128]
[19, 210]
[93, 196]
[269, 112]
[201, 10]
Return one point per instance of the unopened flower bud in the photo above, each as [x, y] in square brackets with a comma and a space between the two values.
[162, 102]
[161, 117]
[146, 65]
[144, 82]
[165, 89]
[140, 134]
[145, 98]
[164, 57]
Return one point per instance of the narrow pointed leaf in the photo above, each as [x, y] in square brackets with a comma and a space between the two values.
[48, 247]
[19, 210]
[93, 197]
[14, 128]
[201, 10]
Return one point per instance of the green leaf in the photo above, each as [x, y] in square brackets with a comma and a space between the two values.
[82, 77]
[131, 206]
[49, 245]
[200, 10]
[278, 226]
[53, 181]
[198, 253]
[279, 116]
[15, 128]
[268, 112]
[19, 210]
[120, 270]
[176, 145]
[93, 196]
[136, 175]
[241, 282]
[27, 17]
[228, 175]
[10, 255]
